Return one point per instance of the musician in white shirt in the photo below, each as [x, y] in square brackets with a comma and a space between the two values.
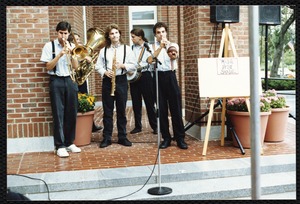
[114, 85]
[142, 87]
[167, 54]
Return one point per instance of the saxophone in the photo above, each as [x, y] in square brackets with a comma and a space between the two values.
[113, 78]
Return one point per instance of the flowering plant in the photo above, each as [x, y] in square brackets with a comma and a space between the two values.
[86, 102]
[239, 104]
[276, 101]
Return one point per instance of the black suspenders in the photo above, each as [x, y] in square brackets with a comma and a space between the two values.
[53, 55]
[123, 57]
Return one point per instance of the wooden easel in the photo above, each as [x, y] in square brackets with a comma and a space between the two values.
[225, 40]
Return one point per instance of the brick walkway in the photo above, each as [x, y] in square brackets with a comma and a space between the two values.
[142, 152]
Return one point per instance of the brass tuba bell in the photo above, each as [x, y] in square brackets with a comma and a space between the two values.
[96, 39]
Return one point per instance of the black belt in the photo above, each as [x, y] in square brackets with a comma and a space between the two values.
[52, 75]
[116, 76]
[167, 71]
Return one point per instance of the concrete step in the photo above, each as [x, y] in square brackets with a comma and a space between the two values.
[206, 189]
[200, 176]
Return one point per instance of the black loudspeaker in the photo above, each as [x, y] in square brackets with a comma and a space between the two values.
[224, 14]
[269, 15]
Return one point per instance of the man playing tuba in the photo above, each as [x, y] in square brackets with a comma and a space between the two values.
[87, 62]
[86, 53]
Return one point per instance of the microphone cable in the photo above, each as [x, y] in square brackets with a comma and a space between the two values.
[34, 179]
[143, 184]
[48, 192]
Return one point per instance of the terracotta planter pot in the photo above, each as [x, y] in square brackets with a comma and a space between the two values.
[84, 126]
[277, 123]
[241, 124]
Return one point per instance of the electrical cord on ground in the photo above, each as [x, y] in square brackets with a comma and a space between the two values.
[143, 184]
[34, 179]
[109, 199]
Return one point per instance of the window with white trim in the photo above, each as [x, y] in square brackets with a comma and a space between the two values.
[143, 17]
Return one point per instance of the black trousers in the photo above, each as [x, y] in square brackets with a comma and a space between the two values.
[64, 104]
[108, 102]
[170, 98]
[143, 88]
[83, 88]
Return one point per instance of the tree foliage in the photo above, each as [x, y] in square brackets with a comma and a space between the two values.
[280, 37]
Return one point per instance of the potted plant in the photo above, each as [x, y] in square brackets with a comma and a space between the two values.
[238, 114]
[85, 118]
[278, 119]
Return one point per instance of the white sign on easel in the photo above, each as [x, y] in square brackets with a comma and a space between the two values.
[224, 77]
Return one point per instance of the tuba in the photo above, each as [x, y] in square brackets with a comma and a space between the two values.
[96, 39]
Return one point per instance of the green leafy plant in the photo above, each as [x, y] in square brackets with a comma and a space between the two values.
[86, 102]
[275, 100]
[239, 104]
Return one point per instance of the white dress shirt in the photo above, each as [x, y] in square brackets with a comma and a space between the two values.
[130, 61]
[137, 49]
[165, 60]
[62, 64]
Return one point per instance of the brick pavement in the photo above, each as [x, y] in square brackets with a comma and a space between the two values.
[143, 152]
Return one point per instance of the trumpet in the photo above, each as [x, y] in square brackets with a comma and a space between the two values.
[68, 57]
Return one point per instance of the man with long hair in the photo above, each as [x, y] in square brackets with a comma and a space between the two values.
[143, 87]
[119, 57]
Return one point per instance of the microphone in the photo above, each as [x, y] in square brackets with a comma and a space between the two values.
[146, 45]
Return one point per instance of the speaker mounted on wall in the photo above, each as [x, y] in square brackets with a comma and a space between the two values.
[224, 14]
[269, 15]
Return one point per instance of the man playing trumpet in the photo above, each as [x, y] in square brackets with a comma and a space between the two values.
[168, 89]
[63, 91]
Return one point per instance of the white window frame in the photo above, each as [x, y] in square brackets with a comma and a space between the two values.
[132, 22]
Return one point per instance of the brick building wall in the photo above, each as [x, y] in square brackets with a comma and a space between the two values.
[198, 28]
[30, 27]
[28, 104]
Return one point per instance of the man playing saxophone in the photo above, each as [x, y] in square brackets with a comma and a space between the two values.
[121, 58]
[63, 90]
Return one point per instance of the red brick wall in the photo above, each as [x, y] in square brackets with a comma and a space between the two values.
[197, 39]
[30, 27]
[28, 106]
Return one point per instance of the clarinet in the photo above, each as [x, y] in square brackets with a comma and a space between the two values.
[113, 78]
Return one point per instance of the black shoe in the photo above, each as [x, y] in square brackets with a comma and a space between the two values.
[155, 132]
[96, 128]
[105, 143]
[135, 130]
[165, 144]
[181, 144]
[125, 142]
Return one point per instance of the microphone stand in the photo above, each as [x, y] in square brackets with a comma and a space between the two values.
[157, 190]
